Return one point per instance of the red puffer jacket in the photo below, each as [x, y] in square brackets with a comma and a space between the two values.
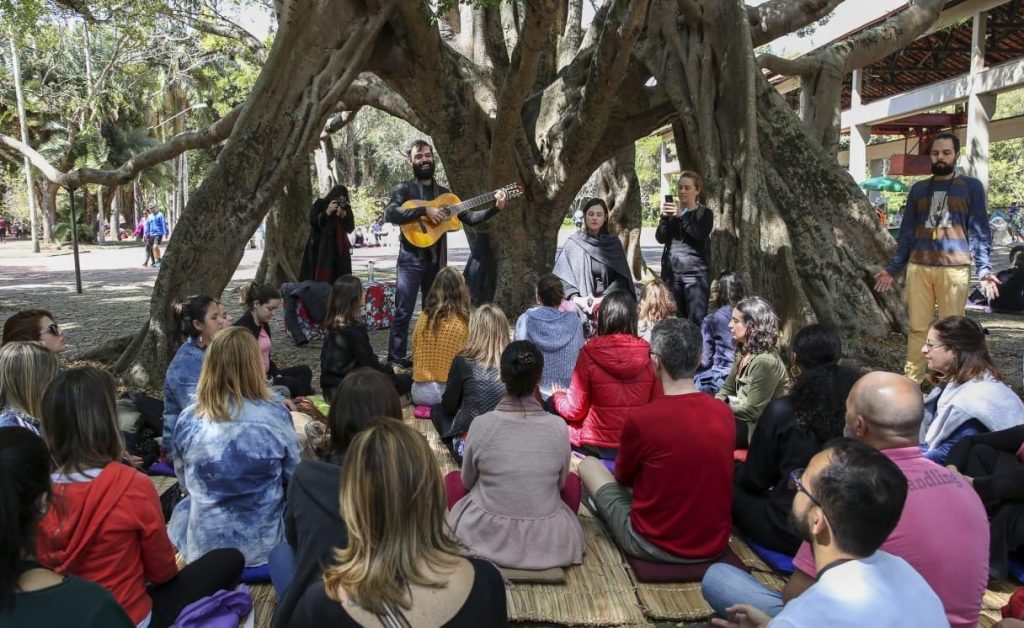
[613, 375]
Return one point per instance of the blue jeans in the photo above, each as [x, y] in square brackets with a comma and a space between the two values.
[725, 585]
[282, 567]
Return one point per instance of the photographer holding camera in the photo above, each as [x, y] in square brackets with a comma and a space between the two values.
[328, 253]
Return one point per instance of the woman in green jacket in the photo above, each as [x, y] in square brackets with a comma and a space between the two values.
[758, 374]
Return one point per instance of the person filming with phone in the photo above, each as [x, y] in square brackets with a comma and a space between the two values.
[685, 231]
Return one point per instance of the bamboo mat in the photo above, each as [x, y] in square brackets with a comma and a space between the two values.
[264, 601]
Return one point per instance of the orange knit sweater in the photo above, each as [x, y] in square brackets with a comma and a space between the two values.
[432, 354]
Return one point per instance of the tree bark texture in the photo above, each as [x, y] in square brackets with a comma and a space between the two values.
[618, 185]
[287, 230]
[786, 215]
[318, 51]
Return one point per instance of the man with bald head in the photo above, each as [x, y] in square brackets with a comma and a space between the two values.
[943, 531]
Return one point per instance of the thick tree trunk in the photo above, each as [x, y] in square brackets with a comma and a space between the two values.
[48, 208]
[287, 231]
[618, 185]
[319, 49]
[326, 174]
[786, 216]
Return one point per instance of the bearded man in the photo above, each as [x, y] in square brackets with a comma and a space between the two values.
[417, 267]
[945, 224]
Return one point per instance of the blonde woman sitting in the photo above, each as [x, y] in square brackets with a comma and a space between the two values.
[26, 369]
[236, 451]
[400, 568]
[474, 383]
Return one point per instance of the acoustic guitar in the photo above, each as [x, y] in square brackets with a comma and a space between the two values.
[422, 234]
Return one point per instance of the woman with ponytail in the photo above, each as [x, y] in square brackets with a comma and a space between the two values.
[262, 301]
[520, 511]
[200, 318]
[30, 594]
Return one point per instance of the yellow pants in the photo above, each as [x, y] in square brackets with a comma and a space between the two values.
[928, 287]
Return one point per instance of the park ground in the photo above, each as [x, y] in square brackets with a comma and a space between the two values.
[116, 294]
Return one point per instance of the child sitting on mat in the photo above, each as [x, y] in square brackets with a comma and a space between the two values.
[516, 464]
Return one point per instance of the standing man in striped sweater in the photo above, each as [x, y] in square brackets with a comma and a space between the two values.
[945, 224]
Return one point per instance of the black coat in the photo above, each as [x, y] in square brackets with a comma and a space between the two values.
[322, 247]
[343, 350]
[312, 526]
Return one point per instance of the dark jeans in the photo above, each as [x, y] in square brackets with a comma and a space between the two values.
[742, 434]
[415, 273]
[215, 570]
[298, 379]
[149, 251]
[690, 291]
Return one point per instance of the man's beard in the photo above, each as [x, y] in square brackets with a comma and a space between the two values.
[941, 169]
[423, 171]
[800, 527]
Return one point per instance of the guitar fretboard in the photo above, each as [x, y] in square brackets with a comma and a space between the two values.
[452, 210]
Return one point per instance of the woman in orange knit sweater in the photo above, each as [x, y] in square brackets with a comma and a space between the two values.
[441, 332]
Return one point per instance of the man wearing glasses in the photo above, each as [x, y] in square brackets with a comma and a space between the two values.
[848, 500]
[943, 523]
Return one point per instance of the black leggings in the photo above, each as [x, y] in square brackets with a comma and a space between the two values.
[214, 571]
[298, 379]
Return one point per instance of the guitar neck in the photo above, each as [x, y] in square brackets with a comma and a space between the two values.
[470, 204]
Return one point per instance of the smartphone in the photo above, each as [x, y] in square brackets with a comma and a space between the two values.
[668, 198]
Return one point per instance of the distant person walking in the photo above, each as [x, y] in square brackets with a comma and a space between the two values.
[3, 230]
[156, 231]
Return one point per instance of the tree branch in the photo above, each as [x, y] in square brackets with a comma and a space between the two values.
[369, 91]
[801, 66]
[339, 122]
[522, 73]
[777, 18]
[495, 47]
[208, 136]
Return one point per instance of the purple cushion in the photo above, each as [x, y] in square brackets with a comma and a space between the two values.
[610, 464]
[778, 561]
[160, 468]
[254, 575]
[647, 571]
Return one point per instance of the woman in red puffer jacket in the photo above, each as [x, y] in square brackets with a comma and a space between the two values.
[613, 375]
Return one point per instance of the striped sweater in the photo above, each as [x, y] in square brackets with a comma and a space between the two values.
[949, 236]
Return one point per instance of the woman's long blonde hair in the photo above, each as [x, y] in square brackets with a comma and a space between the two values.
[232, 372]
[656, 302]
[488, 336]
[448, 296]
[393, 502]
[26, 369]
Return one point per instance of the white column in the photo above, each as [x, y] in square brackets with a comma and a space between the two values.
[980, 107]
[859, 134]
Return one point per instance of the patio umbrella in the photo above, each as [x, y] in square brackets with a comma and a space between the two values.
[883, 184]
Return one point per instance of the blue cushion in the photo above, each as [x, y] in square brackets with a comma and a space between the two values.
[1016, 564]
[255, 575]
[776, 560]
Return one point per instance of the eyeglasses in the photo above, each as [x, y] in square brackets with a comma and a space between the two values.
[929, 345]
[53, 329]
[795, 484]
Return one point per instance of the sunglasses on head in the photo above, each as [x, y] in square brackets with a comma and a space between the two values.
[52, 329]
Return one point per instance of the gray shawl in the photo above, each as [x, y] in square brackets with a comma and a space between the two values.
[573, 265]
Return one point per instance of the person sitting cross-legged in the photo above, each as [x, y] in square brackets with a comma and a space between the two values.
[848, 501]
[790, 431]
[516, 466]
[557, 333]
[613, 376]
[676, 456]
[942, 532]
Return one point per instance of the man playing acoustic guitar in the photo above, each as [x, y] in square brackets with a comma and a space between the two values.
[416, 266]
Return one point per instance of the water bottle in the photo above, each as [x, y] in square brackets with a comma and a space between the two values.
[369, 270]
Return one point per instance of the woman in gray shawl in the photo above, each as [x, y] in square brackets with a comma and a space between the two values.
[592, 263]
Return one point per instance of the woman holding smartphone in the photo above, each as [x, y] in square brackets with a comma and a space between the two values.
[685, 231]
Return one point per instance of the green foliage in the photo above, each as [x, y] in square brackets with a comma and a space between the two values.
[366, 205]
[648, 171]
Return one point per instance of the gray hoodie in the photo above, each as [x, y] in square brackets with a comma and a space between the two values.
[559, 336]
